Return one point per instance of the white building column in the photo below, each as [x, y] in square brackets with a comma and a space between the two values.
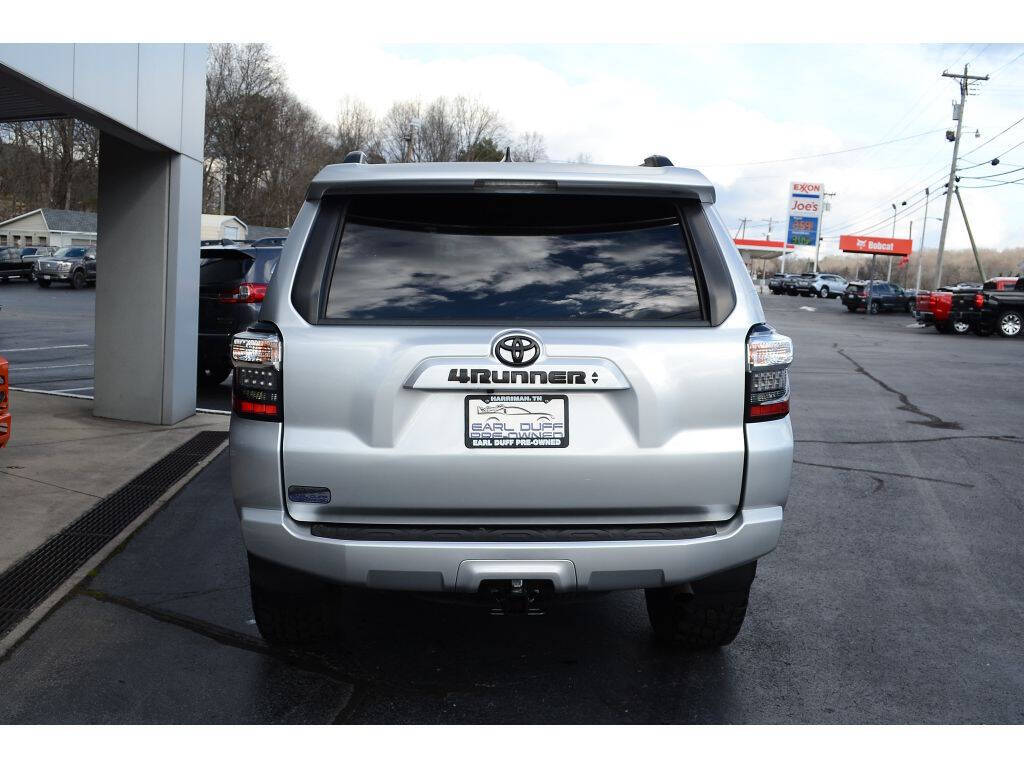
[147, 287]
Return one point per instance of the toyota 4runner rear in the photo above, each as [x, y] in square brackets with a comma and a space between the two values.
[513, 381]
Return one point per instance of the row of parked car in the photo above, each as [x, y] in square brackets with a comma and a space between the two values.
[996, 306]
[74, 265]
[885, 297]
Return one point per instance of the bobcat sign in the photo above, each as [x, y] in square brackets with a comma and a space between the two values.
[806, 203]
[886, 246]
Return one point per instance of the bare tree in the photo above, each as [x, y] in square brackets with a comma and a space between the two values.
[397, 130]
[356, 128]
[529, 148]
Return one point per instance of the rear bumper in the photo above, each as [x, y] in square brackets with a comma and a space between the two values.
[445, 566]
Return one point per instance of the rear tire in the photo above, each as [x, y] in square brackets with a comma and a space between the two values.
[850, 308]
[960, 327]
[290, 607]
[823, 293]
[1010, 323]
[703, 615]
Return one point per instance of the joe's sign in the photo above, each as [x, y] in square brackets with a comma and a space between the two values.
[805, 207]
[886, 246]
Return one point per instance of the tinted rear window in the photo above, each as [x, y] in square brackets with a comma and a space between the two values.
[507, 257]
[254, 267]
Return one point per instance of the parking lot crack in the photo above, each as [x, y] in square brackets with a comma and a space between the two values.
[873, 472]
[311, 660]
[930, 419]
[999, 438]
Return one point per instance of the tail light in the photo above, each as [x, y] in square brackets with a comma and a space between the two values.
[863, 294]
[246, 293]
[979, 300]
[256, 357]
[769, 355]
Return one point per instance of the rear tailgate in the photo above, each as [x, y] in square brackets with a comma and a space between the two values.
[385, 397]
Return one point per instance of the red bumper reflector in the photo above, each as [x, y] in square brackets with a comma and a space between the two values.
[770, 409]
[267, 409]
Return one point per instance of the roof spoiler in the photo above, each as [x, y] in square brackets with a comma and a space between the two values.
[656, 161]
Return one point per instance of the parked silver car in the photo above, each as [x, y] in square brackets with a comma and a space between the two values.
[823, 284]
[510, 380]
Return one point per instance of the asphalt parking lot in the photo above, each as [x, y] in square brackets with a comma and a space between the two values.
[48, 336]
[895, 595]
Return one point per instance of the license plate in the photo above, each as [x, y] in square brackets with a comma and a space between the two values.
[517, 421]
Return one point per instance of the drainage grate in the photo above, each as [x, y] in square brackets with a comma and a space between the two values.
[32, 579]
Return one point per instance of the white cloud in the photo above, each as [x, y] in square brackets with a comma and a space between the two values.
[713, 107]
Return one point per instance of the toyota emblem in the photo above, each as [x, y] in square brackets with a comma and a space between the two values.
[516, 350]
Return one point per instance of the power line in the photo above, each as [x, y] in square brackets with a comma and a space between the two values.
[821, 154]
[1004, 66]
[1007, 128]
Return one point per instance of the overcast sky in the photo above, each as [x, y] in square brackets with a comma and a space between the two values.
[726, 110]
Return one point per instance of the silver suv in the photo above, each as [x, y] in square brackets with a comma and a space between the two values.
[825, 285]
[512, 381]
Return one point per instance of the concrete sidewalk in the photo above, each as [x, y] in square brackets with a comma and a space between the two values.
[61, 460]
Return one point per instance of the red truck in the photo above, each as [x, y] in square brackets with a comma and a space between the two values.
[952, 309]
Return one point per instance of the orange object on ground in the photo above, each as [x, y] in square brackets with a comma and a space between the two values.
[5, 404]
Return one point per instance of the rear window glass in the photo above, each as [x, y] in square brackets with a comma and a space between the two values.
[255, 267]
[505, 257]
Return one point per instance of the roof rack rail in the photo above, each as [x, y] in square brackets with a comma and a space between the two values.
[657, 161]
[356, 156]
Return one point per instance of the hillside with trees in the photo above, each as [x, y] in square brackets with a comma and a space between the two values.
[262, 144]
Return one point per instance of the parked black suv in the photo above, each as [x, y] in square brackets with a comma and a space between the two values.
[885, 297]
[232, 283]
[75, 265]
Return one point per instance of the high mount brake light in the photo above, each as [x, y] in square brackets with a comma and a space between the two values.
[769, 355]
[246, 293]
[256, 389]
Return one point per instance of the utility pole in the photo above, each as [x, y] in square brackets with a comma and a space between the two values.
[821, 225]
[964, 80]
[970, 234]
[888, 275]
[924, 228]
[741, 231]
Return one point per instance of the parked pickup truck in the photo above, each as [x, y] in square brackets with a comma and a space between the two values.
[18, 262]
[998, 307]
[952, 309]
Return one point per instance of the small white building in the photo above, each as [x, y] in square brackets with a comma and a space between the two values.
[224, 226]
[49, 226]
[219, 227]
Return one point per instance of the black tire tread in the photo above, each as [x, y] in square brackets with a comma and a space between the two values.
[692, 622]
[291, 608]
[285, 619]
